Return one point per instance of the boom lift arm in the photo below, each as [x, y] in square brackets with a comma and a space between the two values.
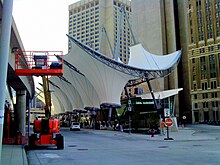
[47, 96]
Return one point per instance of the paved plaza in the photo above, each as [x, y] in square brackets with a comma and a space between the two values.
[195, 144]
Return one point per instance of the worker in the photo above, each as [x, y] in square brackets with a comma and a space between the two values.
[163, 127]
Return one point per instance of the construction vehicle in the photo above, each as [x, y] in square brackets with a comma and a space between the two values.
[39, 63]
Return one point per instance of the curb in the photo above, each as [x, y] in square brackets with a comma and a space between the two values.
[24, 155]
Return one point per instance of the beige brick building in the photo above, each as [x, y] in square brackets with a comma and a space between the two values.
[203, 18]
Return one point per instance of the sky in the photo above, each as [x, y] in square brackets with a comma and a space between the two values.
[42, 24]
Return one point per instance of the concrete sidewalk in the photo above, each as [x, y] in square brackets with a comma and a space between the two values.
[13, 155]
[183, 134]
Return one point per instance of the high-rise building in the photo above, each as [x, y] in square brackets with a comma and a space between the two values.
[155, 26]
[90, 19]
[203, 18]
[87, 18]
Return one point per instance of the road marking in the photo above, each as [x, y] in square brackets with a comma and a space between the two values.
[49, 155]
[217, 152]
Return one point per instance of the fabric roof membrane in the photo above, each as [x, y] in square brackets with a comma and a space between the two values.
[85, 89]
[140, 58]
[109, 76]
[161, 94]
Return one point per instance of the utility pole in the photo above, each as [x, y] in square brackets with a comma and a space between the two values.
[4, 53]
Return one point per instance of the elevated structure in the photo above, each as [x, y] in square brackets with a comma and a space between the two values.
[28, 63]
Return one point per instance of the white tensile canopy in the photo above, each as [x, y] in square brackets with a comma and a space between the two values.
[85, 89]
[62, 97]
[107, 82]
[108, 77]
[140, 58]
[57, 105]
[70, 91]
[161, 94]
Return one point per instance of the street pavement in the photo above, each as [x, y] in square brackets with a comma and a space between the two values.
[15, 154]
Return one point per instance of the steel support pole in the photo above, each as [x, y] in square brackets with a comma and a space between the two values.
[129, 108]
[4, 53]
[29, 110]
[109, 116]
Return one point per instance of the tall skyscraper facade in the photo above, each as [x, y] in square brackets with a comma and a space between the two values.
[203, 20]
[101, 25]
[97, 22]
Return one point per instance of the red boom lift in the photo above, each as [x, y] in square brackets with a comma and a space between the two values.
[42, 63]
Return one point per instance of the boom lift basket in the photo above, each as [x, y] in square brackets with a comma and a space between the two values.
[30, 63]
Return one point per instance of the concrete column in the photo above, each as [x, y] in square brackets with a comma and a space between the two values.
[171, 47]
[4, 53]
[21, 110]
[193, 117]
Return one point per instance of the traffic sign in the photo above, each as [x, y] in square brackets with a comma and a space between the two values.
[169, 122]
[166, 112]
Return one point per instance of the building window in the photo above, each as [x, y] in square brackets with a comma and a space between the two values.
[205, 95]
[214, 104]
[203, 67]
[202, 50]
[194, 77]
[195, 97]
[212, 66]
[196, 105]
[204, 86]
[194, 69]
[194, 86]
[214, 95]
[213, 84]
[205, 105]
[211, 48]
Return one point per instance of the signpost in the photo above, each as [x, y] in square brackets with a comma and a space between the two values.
[169, 123]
